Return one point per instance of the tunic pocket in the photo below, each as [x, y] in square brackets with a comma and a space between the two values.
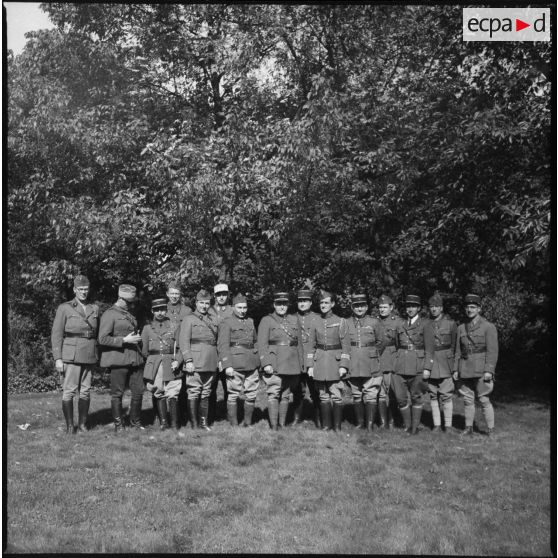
[69, 349]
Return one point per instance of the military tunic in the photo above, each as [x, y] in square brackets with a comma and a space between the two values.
[177, 312]
[388, 328]
[444, 330]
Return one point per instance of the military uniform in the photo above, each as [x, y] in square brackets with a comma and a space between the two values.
[125, 360]
[365, 380]
[440, 382]
[415, 353]
[280, 346]
[74, 341]
[198, 343]
[237, 348]
[177, 312]
[159, 348]
[476, 355]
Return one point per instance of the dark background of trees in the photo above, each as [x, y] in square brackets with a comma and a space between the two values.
[350, 147]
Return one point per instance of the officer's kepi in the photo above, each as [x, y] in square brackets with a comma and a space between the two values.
[358, 299]
[159, 304]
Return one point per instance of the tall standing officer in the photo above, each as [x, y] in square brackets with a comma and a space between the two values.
[162, 366]
[388, 323]
[413, 362]
[198, 343]
[305, 318]
[440, 382]
[176, 310]
[74, 348]
[120, 341]
[476, 355]
[281, 356]
[328, 360]
[365, 376]
[238, 351]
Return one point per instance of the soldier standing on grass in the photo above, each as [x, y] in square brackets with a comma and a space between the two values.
[198, 343]
[305, 318]
[476, 354]
[119, 341]
[365, 379]
[413, 362]
[328, 360]
[74, 348]
[238, 351]
[388, 323]
[440, 382]
[162, 368]
[282, 360]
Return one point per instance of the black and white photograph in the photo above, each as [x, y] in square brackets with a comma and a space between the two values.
[279, 278]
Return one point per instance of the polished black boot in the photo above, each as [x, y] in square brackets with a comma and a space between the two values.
[68, 410]
[359, 416]
[83, 410]
[161, 407]
[326, 415]
[116, 407]
[383, 408]
[192, 409]
[155, 405]
[204, 412]
[248, 411]
[368, 416]
[283, 410]
[232, 415]
[337, 416]
[135, 413]
[317, 416]
[273, 413]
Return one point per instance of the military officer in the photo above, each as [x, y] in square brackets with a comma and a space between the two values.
[476, 355]
[198, 343]
[281, 356]
[388, 323]
[328, 360]
[238, 351]
[74, 348]
[161, 372]
[218, 312]
[119, 341]
[440, 381]
[305, 318]
[413, 362]
[176, 310]
[365, 376]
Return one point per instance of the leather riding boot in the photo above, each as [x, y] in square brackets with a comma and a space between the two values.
[192, 408]
[283, 410]
[368, 416]
[135, 414]
[204, 412]
[162, 412]
[273, 413]
[68, 410]
[383, 408]
[83, 410]
[298, 410]
[248, 411]
[406, 414]
[155, 405]
[317, 416]
[359, 417]
[116, 408]
[232, 413]
[416, 413]
[326, 415]
[173, 411]
[337, 416]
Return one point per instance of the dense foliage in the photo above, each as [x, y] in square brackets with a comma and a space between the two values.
[351, 147]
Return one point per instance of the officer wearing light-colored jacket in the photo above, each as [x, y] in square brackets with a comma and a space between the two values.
[238, 351]
[74, 349]
[328, 360]
[476, 355]
[281, 356]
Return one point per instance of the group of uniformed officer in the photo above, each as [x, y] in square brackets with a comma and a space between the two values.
[388, 362]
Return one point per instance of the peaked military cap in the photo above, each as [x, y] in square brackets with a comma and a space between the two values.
[173, 285]
[325, 294]
[412, 300]
[81, 281]
[127, 292]
[280, 296]
[159, 303]
[359, 299]
[472, 299]
[304, 294]
[203, 294]
[220, 288]
[239, 298]
[435, 300]
[385, 299]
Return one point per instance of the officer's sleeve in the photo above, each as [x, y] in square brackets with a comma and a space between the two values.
[263, 342]
[224, 343]
[312, 340]
[145, 341]
[491, 337]
[176, 349]
[255, 338]
[301, 355]
[379, 337]
[57, 332]
[345, 344]
[453, 335]
[457, 350]
[429, 344]
[185, 337]
[106, 329]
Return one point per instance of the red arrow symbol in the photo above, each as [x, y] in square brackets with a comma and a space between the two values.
[519, 25]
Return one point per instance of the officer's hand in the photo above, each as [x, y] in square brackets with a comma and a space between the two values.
[425, 374]
[220, 366]
[190, 368]
[132, 338]
[59, 365]
[229, 371]
[174, 365]
[455, 376]
[487, 377]
[311, 371]
[342, 371]
[268, 369]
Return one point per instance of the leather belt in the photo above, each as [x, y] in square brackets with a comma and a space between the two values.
[211, 342]
[443, 347]
[411, 347]
[476, 351]
[81, 335]
[292, 343]
[243, 345]
[362, 345]
[390, 344]
[328, 347]
[159, 353]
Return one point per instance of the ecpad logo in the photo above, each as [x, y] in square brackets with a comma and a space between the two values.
[506, 24]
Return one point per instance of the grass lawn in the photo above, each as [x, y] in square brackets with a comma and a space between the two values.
[299, 490]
